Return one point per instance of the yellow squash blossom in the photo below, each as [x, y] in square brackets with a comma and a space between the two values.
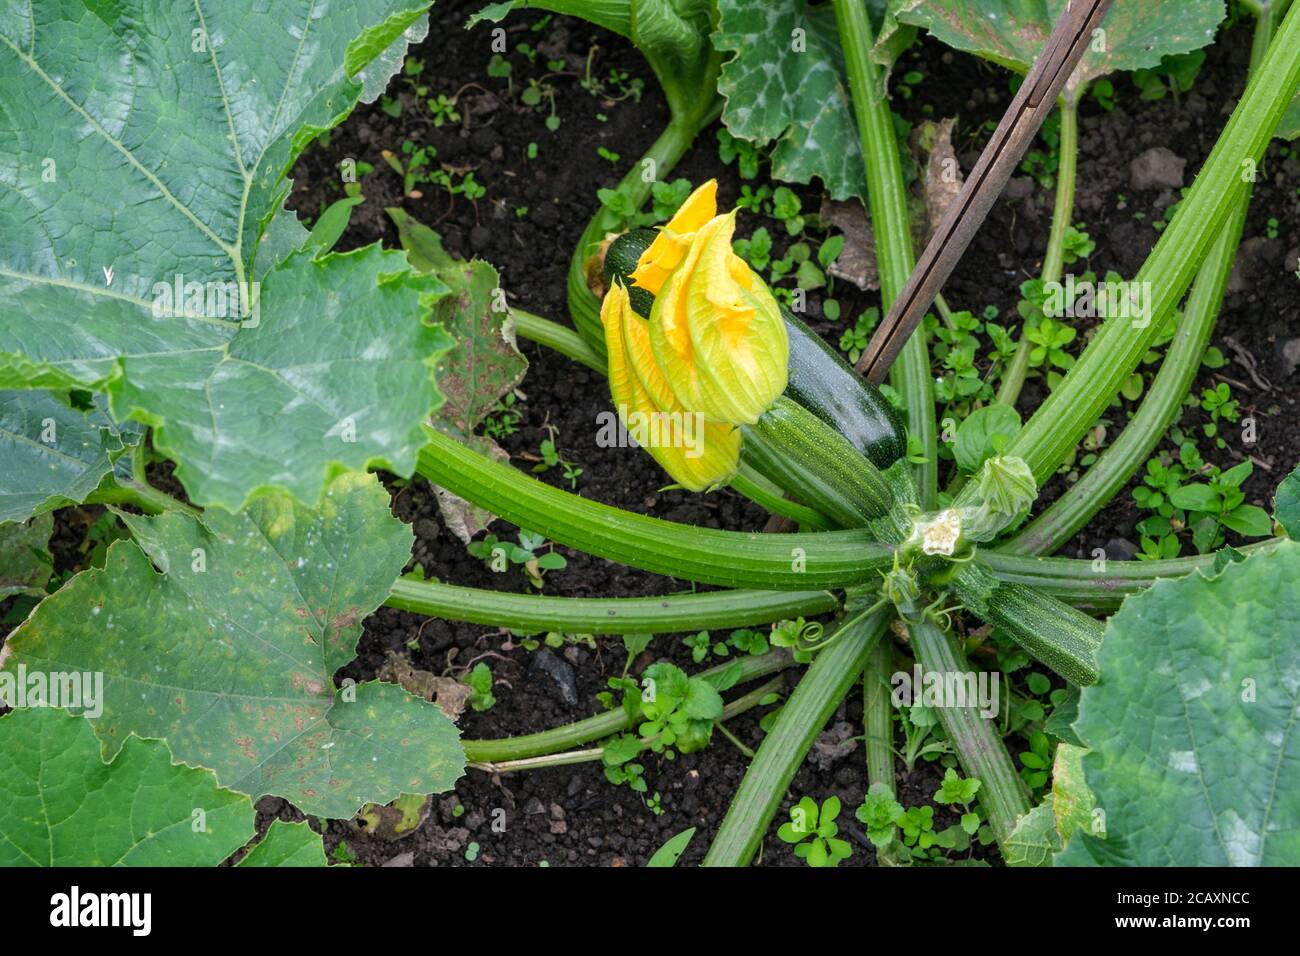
[717, 332]
[669, 247]
[697, 454]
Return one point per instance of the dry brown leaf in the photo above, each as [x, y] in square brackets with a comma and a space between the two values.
[856, 263]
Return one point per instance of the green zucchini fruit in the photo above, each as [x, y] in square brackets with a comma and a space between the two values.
[620, 262]
[820, 379]
[1051, 631]
[790, 446]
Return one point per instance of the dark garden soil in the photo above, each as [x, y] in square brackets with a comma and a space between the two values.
[571, 814]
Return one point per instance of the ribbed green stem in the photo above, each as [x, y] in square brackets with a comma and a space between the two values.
[1052, 432]
[878, 715]
[979, 747]
[1161, 407]
[819, 692]
[1164, 401]
[655, 615]
[786, 562]
[1066, 181]
[603, 725]
[1054, 259]
[1078, 583]
[559, 337]
[817, 464]
[138, 494]
[887, 201]
[733, 709]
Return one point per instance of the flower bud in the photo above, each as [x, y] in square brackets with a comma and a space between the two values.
[717, 332]
[1007, 485]
[696, 453]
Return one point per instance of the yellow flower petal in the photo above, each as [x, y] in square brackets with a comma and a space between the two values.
[695, 453]
[717, 332]
[699, 207]
[670, 245]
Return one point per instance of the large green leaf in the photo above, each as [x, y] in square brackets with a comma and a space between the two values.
[53, 454]
[1194, 756]
[1138, 33]
[485, 362]
[287, 845]
[484, 365]
[1034, 839]
[229, 648]
[786, 85]
[62, 805]
[150, 142]
[24, 557]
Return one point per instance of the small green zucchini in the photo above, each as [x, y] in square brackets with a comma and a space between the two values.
[1051, 631]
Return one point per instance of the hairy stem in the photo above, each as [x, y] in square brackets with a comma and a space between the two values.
[1053, 431]
[561, 338]
[138, 494]
[878, 715]
[1099, 586]
[602, 725]
[790, 562]
[1054, 259]
[531, 613]
[814, 699]
[979, 746]
[887, 200]
[734, 709]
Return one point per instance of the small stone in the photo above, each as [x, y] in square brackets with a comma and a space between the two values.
[1253, 258]
[560, 671]
[479, 238]
[1020, 187]
[1120, 549]
[1157, 168]
[832, 745]
[427, 529]
[533, 807]
[1291, 355]
[402, 859]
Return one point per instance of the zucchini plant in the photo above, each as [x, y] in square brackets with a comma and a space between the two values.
[159, 302]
